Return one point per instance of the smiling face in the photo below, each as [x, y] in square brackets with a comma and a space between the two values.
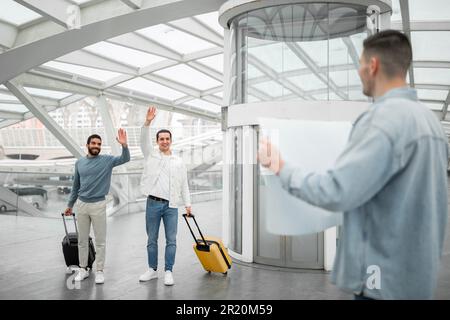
[164, 141]
[94, 146]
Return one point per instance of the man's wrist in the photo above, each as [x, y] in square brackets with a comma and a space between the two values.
[125, 145]
[280, 167]
[147, 123]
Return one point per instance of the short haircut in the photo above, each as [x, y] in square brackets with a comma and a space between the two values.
[393, 48]
[163, 131]
[93, 136]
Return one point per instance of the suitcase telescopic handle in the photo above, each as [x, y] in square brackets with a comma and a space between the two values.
[74, 221]
[185, 216]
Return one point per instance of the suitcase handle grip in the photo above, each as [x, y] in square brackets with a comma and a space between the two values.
[188, 215]
[74, 221]
[185, 216]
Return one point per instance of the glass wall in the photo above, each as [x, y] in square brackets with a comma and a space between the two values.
[297, 52]
[46, 194]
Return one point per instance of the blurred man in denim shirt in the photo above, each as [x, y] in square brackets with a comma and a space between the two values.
[390, 181]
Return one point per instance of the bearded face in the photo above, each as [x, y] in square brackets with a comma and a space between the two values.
[94, 147]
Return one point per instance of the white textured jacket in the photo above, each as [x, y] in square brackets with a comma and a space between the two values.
[179, 188]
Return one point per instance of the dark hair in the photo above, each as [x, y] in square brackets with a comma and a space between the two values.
[93, 136]
[393, 48]
[163, 131]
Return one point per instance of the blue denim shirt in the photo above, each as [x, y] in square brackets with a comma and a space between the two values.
[391, 183]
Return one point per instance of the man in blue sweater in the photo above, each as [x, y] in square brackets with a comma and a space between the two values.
[91, 184]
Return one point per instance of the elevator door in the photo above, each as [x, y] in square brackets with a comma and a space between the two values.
[304, 252]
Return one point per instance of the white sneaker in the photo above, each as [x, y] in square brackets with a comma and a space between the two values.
[99, 277]
[168, 278]
[82, 274]
[149, 275]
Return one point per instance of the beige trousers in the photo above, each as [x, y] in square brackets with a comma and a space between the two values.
[95, 213]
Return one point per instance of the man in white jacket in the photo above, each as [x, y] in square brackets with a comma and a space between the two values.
[165, 183]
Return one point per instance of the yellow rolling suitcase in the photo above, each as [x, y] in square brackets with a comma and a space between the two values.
[210, 251]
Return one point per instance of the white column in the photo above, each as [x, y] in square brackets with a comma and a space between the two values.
[226, 146]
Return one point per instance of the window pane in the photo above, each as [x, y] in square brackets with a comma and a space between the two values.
[179, 41]
[429, 10]
[7, 97]
[431, 46]
[87, 72]
[308, 82]
[151, 88]
[47, 93]
[126, 55]
[13, 107]
[202, 104]
[273, 89]
[16, 14]
[211, 20]
[189, 76]
[276, 56]
[316, 50]
[345, 78]
[432, 75]
[434, 106]
[432, 94]
[214, 62]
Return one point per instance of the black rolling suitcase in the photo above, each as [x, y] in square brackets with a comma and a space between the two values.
[70, 246]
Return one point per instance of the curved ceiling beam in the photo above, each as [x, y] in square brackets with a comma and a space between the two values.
[22, 58]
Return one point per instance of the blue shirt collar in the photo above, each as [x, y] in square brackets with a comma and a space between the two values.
[403, 92]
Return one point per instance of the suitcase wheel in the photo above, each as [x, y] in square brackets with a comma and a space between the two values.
[71, 269]
[225, 273]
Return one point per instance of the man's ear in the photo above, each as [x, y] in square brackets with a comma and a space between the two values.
[374, 65]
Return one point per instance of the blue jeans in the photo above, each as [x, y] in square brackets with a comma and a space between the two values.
[154, 212]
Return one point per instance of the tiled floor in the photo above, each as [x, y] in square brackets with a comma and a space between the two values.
[32, 266]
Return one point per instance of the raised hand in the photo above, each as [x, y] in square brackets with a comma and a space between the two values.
[151, 114]
[122, 137]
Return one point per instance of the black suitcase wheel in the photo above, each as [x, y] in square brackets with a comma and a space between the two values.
[225, 273]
